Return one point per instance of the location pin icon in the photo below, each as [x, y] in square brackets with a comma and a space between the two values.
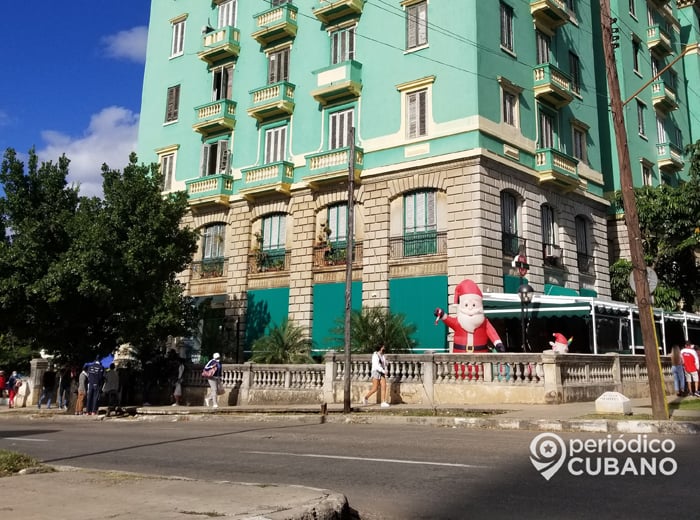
[547, 454]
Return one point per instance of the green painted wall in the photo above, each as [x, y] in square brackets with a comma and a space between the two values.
[416, 299]
[266, 308]
[329, 307]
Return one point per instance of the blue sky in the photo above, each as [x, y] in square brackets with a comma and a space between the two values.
[72, 74]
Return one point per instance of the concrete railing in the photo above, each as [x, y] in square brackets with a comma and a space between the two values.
[438, 379]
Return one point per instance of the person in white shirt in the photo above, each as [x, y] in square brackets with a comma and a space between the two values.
[379, 369]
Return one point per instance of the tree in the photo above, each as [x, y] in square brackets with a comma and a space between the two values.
[84, 274]
[669, 220]
[373, 326]
[286, 343]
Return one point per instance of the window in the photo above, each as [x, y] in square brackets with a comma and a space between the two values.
[278, 66]
[647, 175]
[650, 16]
[213, 242]
[338, 224]
[509, 224]
[546, 129]
[655, 66]
[275, 3]
[178, 43]
[633, 8]
[510, 105]
[167, 170]
[227, 13]
[677, 137]
[575, 71]
[543, 44]
[661, 136]
[340, 124]
[550, 245]
[343, 45]
[420, 224]
[635, 55]
[214, 158]
[222, 84]
[275, 144]
[578, 136]
[641, 127]
[416, 112]
[274, 240]
[506, 27]
[571, 6]
[583, 258]
[416, 25]
[172, 104]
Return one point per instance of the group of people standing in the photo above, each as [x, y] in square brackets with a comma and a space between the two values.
[685, 365]
[11, 385]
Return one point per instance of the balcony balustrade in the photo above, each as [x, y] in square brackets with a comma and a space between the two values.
[333, 254]
[663, 97]
[215, 117]
[269, 178]
[276, 24]
[669, 157]
[339, 81]
[659, 41]
[332, 166]
[416, 244]
[220, 45]
[555, 168]
[276, 100]
[552, 85]
[268, 261]
[328, 11]
[212, 190]
[549, 14]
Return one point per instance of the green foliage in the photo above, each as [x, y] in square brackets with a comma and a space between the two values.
[82, 275]
[12, 462]
[669, 221]
[619, 281]
[372, 326]
[286, 343]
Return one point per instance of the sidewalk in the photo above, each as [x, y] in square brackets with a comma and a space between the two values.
[121, 495]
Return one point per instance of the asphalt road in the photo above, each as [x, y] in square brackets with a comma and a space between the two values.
[390, 471]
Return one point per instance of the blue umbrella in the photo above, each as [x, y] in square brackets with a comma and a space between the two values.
[107, 360]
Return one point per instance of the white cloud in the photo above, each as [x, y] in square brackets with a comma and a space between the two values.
[110, 138]
[129, 44]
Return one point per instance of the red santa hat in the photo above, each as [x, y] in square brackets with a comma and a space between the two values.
[560, 338]
[467, 287]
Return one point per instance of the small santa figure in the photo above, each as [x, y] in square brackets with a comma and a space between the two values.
[560, 345]
[472, 331]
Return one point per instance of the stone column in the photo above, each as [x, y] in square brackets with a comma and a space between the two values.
[553, 388]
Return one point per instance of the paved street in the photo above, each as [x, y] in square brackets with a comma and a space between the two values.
[386, 471]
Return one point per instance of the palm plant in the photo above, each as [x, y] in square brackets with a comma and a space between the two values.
[286, 343]
[373, 326]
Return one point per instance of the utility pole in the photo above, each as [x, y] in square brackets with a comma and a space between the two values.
[646, 312]
[347, 408]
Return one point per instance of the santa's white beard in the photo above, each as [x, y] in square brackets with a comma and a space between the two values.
[470, 322]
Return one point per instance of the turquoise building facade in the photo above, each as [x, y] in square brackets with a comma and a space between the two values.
[474, 132]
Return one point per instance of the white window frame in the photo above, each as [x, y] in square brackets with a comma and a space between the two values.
[647, 174]
[339, 124]
[342, 45]
[227, 14]
[177, 47]
[215, 158]
[213, 241]
[222, 83]
[167, 162]
[543, 43]
[419, 212]
[337, 221]
[416, 25]
[417, 114]
[172, 104]
[278, 65]
[510, 102]
[507, 37]
[275, 144]
[273, 229]
[547, 129]
[661, 134]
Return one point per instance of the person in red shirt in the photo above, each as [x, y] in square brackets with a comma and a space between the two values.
[691, 364]
[2, 383]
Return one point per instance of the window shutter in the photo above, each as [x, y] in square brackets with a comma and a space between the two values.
[206, 150]
[411, 109]
[223, 156]
[432, 220]
[422, 24]
[272, 66]
[409, 213]
[422, 112]
[411, 27]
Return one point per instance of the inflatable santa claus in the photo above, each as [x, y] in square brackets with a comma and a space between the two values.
[472, 331]
[560, 345]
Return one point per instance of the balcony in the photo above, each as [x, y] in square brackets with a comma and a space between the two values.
[208, 277]
[669, 157]
[549, 14]
[339, 81]
[663, 97]
[276, 24]
[271, 178]
[423, 243]
[215, 117]
[555, 168]
[330, 255]
[329, 11]
[332, 166]
[552, 85]
[213, 190]
[221, 44]
[511, 244]
[658, 41]
[584, 262]
[268, 261]
[276, 100]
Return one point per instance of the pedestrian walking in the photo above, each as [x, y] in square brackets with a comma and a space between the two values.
[677, 370]
[213, 367]
[111, 388]
[65, 382]
[48, 387]
[82, 391]
[95, 378]
[13, 382]
[691, 364]
[379, 369]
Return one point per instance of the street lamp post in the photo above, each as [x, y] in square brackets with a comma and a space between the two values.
[525, 292]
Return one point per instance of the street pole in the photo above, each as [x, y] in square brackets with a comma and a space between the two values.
[646, 317]
[347, 408]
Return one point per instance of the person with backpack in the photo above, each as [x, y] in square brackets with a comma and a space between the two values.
[691, 364]
[212, 373]
[13, 383]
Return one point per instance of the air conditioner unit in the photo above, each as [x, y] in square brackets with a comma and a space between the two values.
[552, 252]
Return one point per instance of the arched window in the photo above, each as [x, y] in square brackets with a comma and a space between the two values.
[584, 258]
[509, 224]
[420, 223]
[213, 241]
[551, 251]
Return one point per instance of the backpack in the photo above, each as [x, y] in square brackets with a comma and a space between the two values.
[208, 373]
